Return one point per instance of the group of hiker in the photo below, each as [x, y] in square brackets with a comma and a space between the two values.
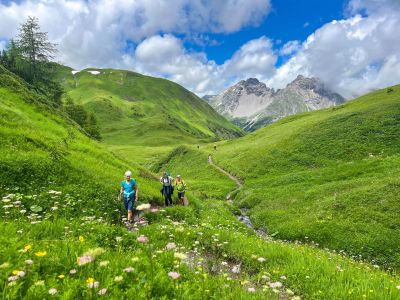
[130, 192]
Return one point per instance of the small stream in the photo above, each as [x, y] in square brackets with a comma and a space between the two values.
[245, 219]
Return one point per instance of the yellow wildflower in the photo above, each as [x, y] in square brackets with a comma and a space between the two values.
[28, 248]
[90, 280]
[41, 253]
[62, 276]
[15, 272]
[81, 239]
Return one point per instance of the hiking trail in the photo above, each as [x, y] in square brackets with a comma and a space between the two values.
[244, 218]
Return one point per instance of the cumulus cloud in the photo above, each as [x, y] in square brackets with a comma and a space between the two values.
[354, 55]
[254, 59]
[96, 32]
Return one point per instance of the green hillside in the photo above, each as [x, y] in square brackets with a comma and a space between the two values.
[133, 109]
[329, 176]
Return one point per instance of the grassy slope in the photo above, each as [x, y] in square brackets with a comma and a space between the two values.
[133, 109]
[330, 176]
[41, 151]
[310, 272]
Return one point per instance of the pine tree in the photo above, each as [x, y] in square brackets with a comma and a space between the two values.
[35, 49]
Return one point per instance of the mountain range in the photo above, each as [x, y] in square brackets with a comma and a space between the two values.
[251, 104]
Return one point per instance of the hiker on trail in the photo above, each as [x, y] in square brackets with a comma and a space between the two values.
[215, 147]
[167, 188]
[130, 191]
[180, 186]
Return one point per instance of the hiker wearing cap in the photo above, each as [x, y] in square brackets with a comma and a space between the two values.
[180, 186]
[167, 188]
[130, 191]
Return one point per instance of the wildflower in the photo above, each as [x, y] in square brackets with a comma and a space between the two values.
[29, 261]
[92, 283]
[85, 259]
[102, 292]
[13, 278]
[174, 275]
[275, 285]
[171, 246]
[181, 256]
[104, 263]
[118, 278]
[61, 276]
[81, 239]
[251, 290]
[27, 248]
[118, 239]
[261, 259]
[22, 211]
[142, 239]
[283, 277]
[236, 269]
[129, 270]
[52, 291]
[54, 208]
[73, 271]
[21, 273]
[41, 253]
[224, 263]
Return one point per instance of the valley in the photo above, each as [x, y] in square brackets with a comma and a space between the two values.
[307, 191]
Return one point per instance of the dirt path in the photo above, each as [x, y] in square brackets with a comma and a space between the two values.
[239, 184]
[244, 218]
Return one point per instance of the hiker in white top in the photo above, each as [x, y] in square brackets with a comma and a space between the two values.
[167, 188]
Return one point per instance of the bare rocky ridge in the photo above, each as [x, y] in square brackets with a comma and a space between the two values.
[251, 104]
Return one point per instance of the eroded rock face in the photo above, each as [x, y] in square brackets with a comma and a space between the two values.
[251, 104]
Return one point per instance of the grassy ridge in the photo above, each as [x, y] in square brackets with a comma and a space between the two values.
[133, 109]
[328, 176]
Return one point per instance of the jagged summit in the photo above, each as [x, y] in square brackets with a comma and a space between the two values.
[252, 104]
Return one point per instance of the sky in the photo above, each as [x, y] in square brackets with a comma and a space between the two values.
[208, 45]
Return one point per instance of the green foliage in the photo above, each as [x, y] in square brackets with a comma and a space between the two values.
[326, 176]
[137, 110]
[87, 121]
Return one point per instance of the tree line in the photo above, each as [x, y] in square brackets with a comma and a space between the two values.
[30, 56]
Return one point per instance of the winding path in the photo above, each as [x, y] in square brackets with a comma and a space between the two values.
[239, 184]
[244, 218]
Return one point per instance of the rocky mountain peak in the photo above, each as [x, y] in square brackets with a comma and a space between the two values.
[252, 104]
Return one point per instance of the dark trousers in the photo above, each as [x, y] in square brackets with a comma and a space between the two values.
[168, 199]
[167, 191]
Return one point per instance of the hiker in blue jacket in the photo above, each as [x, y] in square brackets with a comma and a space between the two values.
[130, 191]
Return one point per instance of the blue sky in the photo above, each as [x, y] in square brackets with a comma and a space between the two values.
[208, 45]
[288, 20]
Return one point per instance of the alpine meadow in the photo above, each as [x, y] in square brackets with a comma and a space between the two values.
[275, 135]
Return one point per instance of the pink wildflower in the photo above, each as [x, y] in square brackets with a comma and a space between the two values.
[174, 275]
[142, 239]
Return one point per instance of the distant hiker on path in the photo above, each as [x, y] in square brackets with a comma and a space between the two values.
[215, 147]
[180, 186]
[167, 188]
[130, 191]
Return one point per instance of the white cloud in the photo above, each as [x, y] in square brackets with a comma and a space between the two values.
[165, 56]
[290, 48]
[95, 32]
[354, 55]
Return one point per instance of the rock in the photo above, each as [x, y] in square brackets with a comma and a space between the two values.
[251, 104]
